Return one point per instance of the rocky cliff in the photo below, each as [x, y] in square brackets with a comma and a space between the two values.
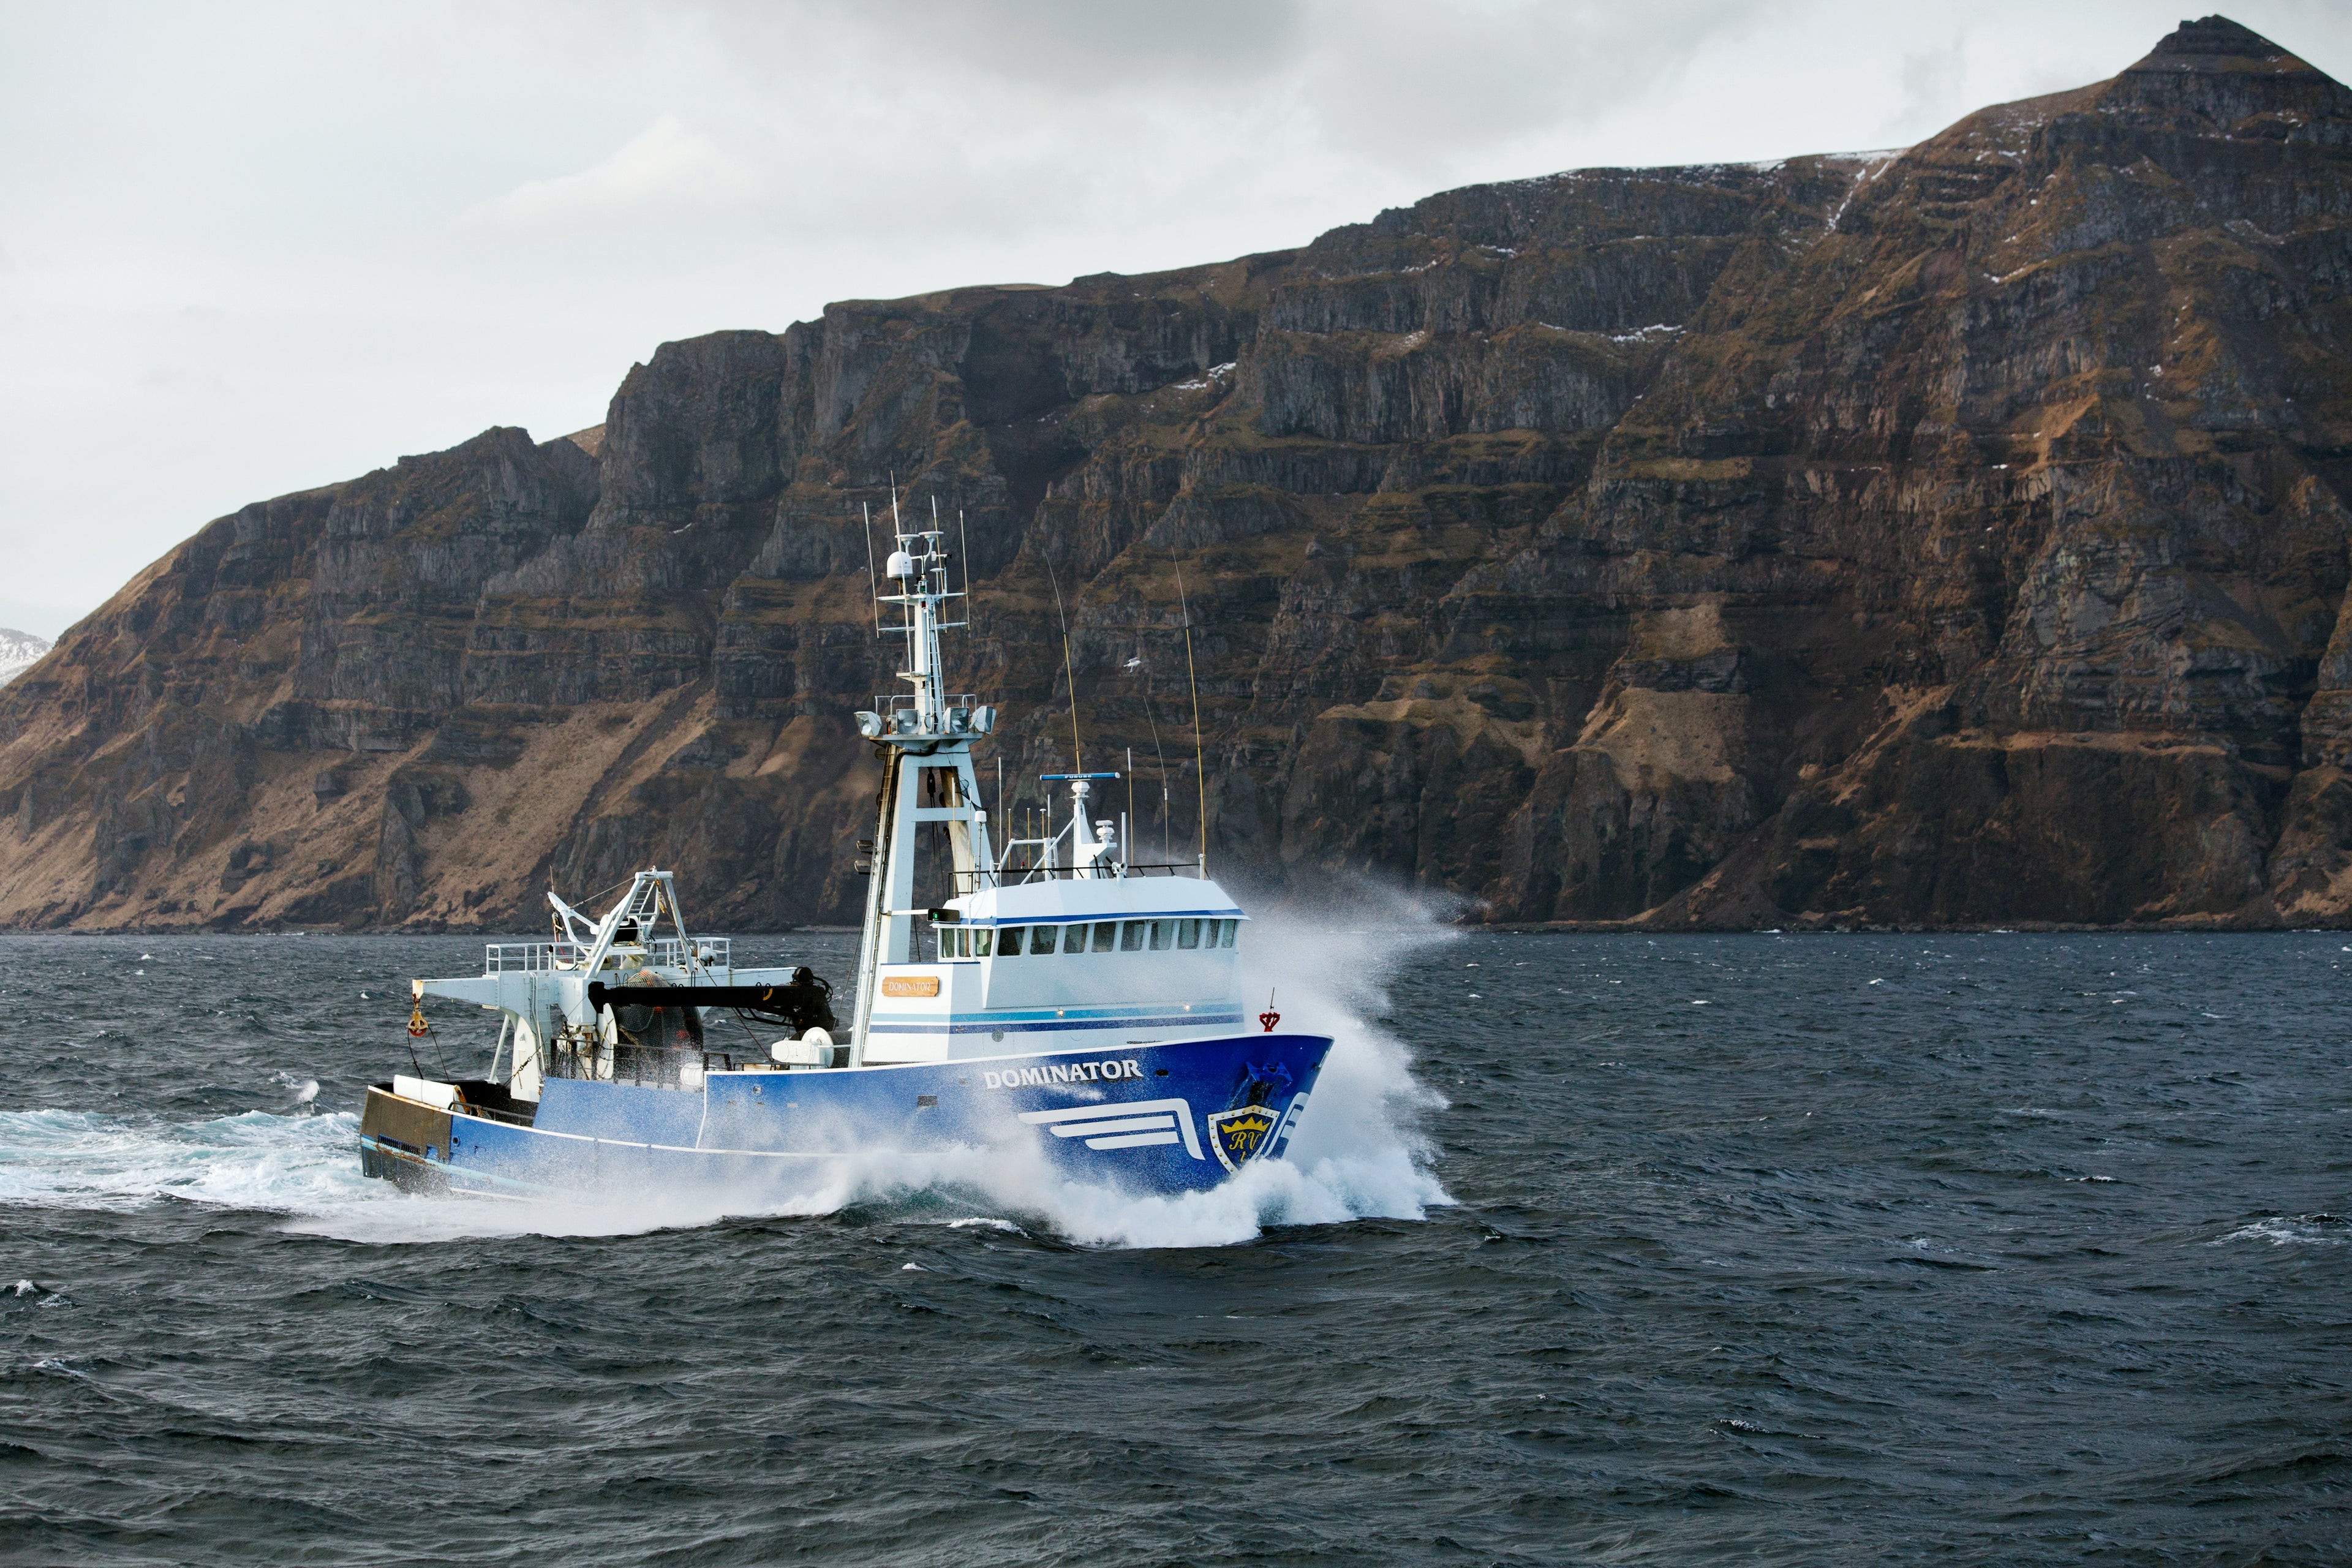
[1955, 535]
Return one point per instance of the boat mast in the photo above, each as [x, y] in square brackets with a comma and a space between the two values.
[926, 736]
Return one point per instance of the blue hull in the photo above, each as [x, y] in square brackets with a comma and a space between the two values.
[1179, 1117]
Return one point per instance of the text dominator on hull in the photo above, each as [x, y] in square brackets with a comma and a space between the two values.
[1060, 999]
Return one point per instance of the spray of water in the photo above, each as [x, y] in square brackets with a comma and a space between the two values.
[1356, 1153]
[75, 1159]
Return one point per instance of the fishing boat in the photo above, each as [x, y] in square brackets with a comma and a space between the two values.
[1061, 1001]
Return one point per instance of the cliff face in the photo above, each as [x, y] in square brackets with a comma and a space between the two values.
[1954, 536]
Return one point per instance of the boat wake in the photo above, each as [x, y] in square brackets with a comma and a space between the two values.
[85, 1160]
[1358, 1153]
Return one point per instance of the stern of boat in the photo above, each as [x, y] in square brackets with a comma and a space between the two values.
[410, 1129]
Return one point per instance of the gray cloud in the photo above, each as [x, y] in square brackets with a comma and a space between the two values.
[1085, 46]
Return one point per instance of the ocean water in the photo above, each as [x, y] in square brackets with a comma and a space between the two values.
[1993, 1248]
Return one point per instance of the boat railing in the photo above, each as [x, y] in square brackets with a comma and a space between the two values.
[540, 957]
[653, 1066]
[1044, 871]
[530, 957]
[907, 701]
[902, 711]
[708, 953]
[498, 1113]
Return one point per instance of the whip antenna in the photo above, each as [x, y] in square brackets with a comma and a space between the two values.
[873, 580]
[1200, 773]
[1078, 757]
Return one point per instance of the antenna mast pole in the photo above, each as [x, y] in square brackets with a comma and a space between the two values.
[873, 578]
[1078, 754]
[1200, 773]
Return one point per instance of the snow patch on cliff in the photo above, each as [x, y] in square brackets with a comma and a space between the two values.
[19, 651]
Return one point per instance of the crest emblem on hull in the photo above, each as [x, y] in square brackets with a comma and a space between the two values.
[1239, 1134]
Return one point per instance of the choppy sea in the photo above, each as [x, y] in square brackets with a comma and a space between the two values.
[1988, 1248]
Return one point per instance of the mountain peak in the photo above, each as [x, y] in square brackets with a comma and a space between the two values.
[2217, 43]
[19, 651]
[2213, 77]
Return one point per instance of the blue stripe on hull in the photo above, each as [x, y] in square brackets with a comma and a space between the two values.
[1145, 1118]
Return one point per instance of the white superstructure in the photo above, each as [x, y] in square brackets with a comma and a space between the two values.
[1071, 948]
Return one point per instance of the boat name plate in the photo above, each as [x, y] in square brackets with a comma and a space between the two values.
[1073, 1072]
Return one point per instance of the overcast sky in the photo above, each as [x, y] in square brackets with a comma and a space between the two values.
[250, 249]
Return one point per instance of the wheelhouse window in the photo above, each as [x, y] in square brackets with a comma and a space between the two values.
[1108, 936]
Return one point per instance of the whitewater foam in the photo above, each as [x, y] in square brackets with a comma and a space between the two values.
[2289, 1230]
[81, 1158]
